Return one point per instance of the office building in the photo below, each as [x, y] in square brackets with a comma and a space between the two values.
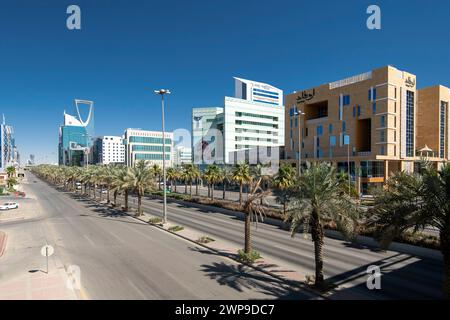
[147, 145]
[109, 150]
[367, 125]
[182, 155]
[249, 127]
[76, 137]
[9, 154]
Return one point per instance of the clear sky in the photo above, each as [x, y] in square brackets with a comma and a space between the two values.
[126, 49]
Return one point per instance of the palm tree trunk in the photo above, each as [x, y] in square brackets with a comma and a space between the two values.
[139, 213]
[317, 238]
[196, 188]
[248, 235]
[126, 200]
[108, 198]
[212, 191]
[159, 182]
[175, 186]
[190, 188]
[284, 209]
[115, 197]
[185, 186]
[95, 189]
[240, 194]
[224, 190]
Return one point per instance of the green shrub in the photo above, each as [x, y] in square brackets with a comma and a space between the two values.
[155, 220]
[175, 228]
[248, 258]
[205, 239]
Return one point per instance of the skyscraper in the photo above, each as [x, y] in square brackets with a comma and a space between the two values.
[9, 153]
[76, 136]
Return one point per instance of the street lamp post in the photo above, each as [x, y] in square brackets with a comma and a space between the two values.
[162, 92]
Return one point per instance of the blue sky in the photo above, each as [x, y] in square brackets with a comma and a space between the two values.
[128, 48]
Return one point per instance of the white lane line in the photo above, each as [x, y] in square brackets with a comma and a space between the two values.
[143, 296]
[89, 240]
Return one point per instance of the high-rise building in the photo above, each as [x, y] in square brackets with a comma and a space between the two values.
[147, 145]
[109, 150]
[249, 127]
[370, 125]
[76, 137]
[9, 154]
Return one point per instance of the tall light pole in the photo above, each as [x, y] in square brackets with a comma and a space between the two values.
[162, 92]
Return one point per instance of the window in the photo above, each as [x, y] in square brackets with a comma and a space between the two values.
[359, 111]
[346, 100]
[291, 122]
[306, 132]
[374, 107]
[382, 136]
[332, 141]
[354, 112]
[409, 123]
[383, 121]
[319, 130]
[382, 151]
[330, 128]
[372, 94]
[343, 126]
[296, 122]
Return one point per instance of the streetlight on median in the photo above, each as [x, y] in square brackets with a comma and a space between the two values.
[162, 92]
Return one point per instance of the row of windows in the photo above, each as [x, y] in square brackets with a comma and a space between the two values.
[262, 116]
[149, 148]
[265, 91]
[149, 140]
[241, 122]
[241, 130]
[442, 130]
[255, 139]
[409, 123]
[150, 156]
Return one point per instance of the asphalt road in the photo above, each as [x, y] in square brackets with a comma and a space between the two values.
[121, 258]
[404, 276]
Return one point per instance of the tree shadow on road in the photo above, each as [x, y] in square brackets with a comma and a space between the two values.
[241, 278]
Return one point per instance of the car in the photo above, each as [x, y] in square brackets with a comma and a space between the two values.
[9, 206]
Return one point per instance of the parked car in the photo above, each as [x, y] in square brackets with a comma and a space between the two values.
[9, 206]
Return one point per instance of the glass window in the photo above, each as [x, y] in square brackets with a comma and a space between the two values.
[319, 130]
[343, 126]
[374, 107]
[332, 141]
[383, 121]
[330, 128]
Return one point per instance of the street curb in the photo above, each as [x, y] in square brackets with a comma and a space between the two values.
[3, 240]
[232, 257]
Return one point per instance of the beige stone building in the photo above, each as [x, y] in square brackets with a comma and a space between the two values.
[374, 123]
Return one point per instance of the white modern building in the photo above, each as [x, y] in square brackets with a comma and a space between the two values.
[9, 154]
[109, 150]
[249, 127]
[182, 155]
[147, 145]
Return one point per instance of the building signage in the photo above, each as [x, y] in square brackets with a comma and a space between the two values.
[306, 96]
[410, 82]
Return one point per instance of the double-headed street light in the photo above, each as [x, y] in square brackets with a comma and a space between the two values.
[162, 92]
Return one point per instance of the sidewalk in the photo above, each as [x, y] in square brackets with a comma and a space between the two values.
[3, 240]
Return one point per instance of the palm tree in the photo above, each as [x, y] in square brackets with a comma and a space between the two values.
[283, 183]
[185, 177]
[227, 174]
[415, 201]
[253, 209]
[139, 179]
[171, 175]
[241, 175]
[320, 196]
[194, 175]
[157, 172]
[122, 183]
[11, 171]
[212, 176]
